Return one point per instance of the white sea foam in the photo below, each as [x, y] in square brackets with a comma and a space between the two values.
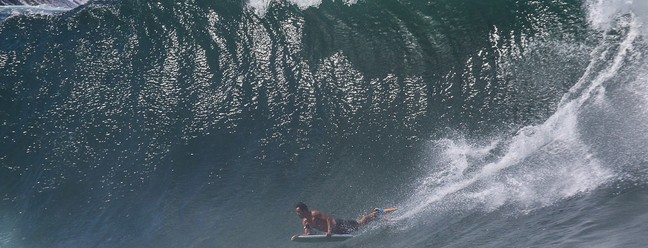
[51, 3]
[544, 163]
[260, 7]
[16, 10]
[540, 165]
[602, 14]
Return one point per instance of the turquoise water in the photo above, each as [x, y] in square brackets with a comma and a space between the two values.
[200, 124]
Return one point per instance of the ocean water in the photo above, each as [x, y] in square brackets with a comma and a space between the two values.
[497, 123]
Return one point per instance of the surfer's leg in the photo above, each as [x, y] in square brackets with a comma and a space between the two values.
[369, 217]
[376, 214]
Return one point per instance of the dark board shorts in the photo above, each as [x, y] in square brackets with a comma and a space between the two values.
[345, 226]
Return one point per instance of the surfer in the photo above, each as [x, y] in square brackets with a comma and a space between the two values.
[320, 221]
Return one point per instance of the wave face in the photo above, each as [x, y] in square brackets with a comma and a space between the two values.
[199, 124]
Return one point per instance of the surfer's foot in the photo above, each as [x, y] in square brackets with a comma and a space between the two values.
[385, 210]
[378, 213]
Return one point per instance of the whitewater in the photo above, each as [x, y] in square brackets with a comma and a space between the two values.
[200, 124]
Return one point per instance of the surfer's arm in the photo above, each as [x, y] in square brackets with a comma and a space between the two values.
[329, 226]
[307, 229]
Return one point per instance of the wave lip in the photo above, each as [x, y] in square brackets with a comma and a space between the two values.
[260, 7]
[603, 14]
[9, 8]
[50, 3]
[17, 10]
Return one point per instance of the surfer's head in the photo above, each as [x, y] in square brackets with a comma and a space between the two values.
[302, 210]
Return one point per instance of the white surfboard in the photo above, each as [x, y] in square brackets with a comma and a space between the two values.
[315, 238]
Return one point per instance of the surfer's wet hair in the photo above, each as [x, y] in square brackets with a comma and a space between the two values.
[301, 206]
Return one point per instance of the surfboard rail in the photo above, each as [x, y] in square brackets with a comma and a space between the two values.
[316, 238]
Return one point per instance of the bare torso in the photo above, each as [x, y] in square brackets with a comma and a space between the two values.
[319, 221]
